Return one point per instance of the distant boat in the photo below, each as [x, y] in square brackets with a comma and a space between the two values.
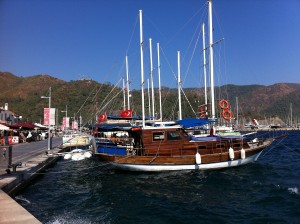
[75, 139]
[78, 154]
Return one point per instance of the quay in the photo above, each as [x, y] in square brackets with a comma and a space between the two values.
[28, 161]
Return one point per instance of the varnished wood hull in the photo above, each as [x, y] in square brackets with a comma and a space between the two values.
[186, 162]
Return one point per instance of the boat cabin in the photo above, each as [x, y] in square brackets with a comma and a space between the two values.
[166, 141]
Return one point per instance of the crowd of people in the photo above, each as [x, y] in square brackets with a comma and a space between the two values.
[22, 136]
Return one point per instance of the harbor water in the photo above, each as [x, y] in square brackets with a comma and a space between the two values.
[89, 191]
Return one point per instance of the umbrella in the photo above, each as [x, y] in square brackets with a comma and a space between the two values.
[3, 127]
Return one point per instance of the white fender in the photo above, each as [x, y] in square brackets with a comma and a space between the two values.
[255, 140]
[198, 158]
[243, 153]
[87, 154]
[68, 156]
[76, 150]
[77, 156]
[231, 153]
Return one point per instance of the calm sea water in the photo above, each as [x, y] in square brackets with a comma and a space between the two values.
[91, 192]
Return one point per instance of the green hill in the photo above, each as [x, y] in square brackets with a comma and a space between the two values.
[88, 98]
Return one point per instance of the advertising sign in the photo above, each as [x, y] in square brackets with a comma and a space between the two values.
[74, 125]
[49, 116]
[66, 122]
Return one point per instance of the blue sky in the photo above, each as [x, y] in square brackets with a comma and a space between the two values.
[71, 39]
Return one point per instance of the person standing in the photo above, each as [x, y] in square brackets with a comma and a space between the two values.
[51, 136]
[4, 153]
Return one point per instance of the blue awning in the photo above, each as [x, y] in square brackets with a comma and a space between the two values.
[115, 126]
[192, 122]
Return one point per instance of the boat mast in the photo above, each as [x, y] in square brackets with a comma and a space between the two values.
[204, 63]
[159, 84]
[179, 86]
[124, 96]
[127, 83]
[291, 111]
[142, 66]
[211, 62]
[237, 112]
[151, 77]
[80, 122]
[149, 100]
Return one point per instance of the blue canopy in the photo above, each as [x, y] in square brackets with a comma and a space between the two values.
[192, 122]
[114, 126]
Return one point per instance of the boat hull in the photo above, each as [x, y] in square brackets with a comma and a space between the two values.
[168, 163]
[171, 167]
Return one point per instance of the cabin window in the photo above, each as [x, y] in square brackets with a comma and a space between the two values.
[173, 135]
[201, 146]
[220, 146]
[237, 145]
[158, 136]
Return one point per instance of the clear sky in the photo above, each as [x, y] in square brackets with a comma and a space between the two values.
[72, 39]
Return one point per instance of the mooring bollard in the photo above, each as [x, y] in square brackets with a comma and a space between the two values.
[6, 157]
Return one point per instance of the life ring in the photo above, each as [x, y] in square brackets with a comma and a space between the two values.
[203, 115]
[227, 115]
[224, 104]
[204, 108]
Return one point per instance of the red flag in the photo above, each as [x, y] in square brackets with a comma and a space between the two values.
[102, 118]
[126, 114]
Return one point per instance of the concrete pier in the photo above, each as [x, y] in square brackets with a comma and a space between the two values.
[12, 212]
[32, 161]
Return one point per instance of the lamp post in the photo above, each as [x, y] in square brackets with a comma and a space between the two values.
[65, 111]
[48, 97]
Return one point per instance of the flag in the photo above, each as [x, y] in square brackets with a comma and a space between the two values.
[102, 118]
[126, 114]
[255, 122]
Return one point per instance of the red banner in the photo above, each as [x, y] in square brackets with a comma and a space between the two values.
[66, 122]
[74, 125]
[49, 116]
[46, 116]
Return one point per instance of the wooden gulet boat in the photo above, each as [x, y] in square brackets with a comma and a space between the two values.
[171, 148]
[168, 148]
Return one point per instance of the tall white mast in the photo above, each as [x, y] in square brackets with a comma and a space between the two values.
[49, 134]
[159, 84]
[211, 62]
[142, 66]
[291, 111]
[179, 86]
[149, 100]
[124, 96]
[237, 112]
[80, 122]
[127, 83]
[204, 63]
[151, 77]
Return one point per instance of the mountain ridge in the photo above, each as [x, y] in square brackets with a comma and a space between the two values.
[23, 94]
